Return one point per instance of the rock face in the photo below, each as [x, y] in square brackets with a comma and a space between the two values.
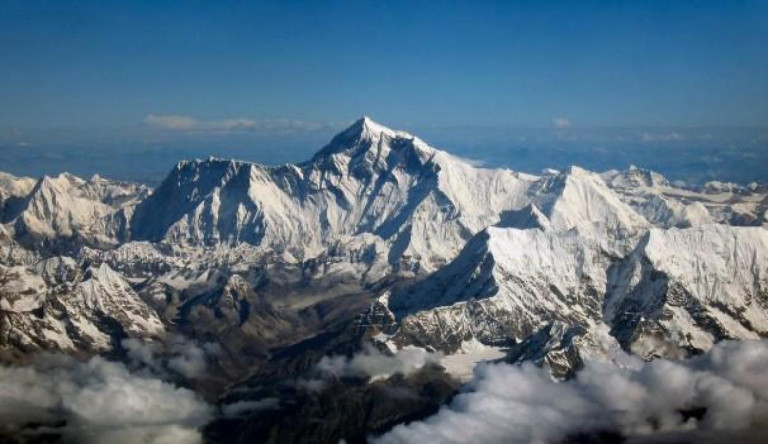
[563, 347]
[348, 410]
[417, 246]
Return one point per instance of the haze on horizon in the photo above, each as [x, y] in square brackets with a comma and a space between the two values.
[126, 90]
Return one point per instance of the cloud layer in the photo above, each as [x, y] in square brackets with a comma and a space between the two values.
[191, 124]
[96, 402]
[728, 387]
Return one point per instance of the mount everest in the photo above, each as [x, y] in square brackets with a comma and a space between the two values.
[381, 239]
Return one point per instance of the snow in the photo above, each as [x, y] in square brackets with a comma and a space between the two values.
[665, 205]
[65, 206]
[75, 306]
[711, 282]
[20, 289]
[12, 186]
[507, 282]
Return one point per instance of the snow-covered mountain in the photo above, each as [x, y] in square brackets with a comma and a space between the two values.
[683, 290]
[69, 210]
[579, 199]
[678, 292]
[415, 245]
[664, 205]
[422, 202]
[505, 285]
[13, 190]
[58, 306]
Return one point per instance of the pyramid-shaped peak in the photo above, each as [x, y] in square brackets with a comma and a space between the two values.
[366, 133]
[365, 126]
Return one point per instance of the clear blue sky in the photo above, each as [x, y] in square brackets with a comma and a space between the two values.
[127, 88]
[518, 63]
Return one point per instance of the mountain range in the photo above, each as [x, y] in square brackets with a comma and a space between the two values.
[379, 242]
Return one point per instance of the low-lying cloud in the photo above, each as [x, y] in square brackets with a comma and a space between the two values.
[376, 365]
[369, 364]
[723, 390]
[175, 354]
[96, 401]
[191, 124]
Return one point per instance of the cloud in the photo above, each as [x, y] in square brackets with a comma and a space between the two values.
[725, 389]
[190, 362]
[376, 365]
[561, 123]
[241, 408]
[175, 354]
[96, 401]
[477, 163]
[240, 124]
[370, 363]
[668, 136]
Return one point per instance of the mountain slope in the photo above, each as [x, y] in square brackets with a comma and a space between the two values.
[579, 199]
[67, 208]
[505, 285]
[683, 290]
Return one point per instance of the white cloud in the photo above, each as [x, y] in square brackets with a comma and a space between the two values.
[477, 163]
[508, 403]
[191, 124]
[375, 364]
[97, 401]
[561, 123]
[176, 354]
[369, 363]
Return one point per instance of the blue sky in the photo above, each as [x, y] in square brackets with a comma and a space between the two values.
[125, 73]
[494, 63]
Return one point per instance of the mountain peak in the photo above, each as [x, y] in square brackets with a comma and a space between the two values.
[635, 177]
[363, 134]
[367, 126]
